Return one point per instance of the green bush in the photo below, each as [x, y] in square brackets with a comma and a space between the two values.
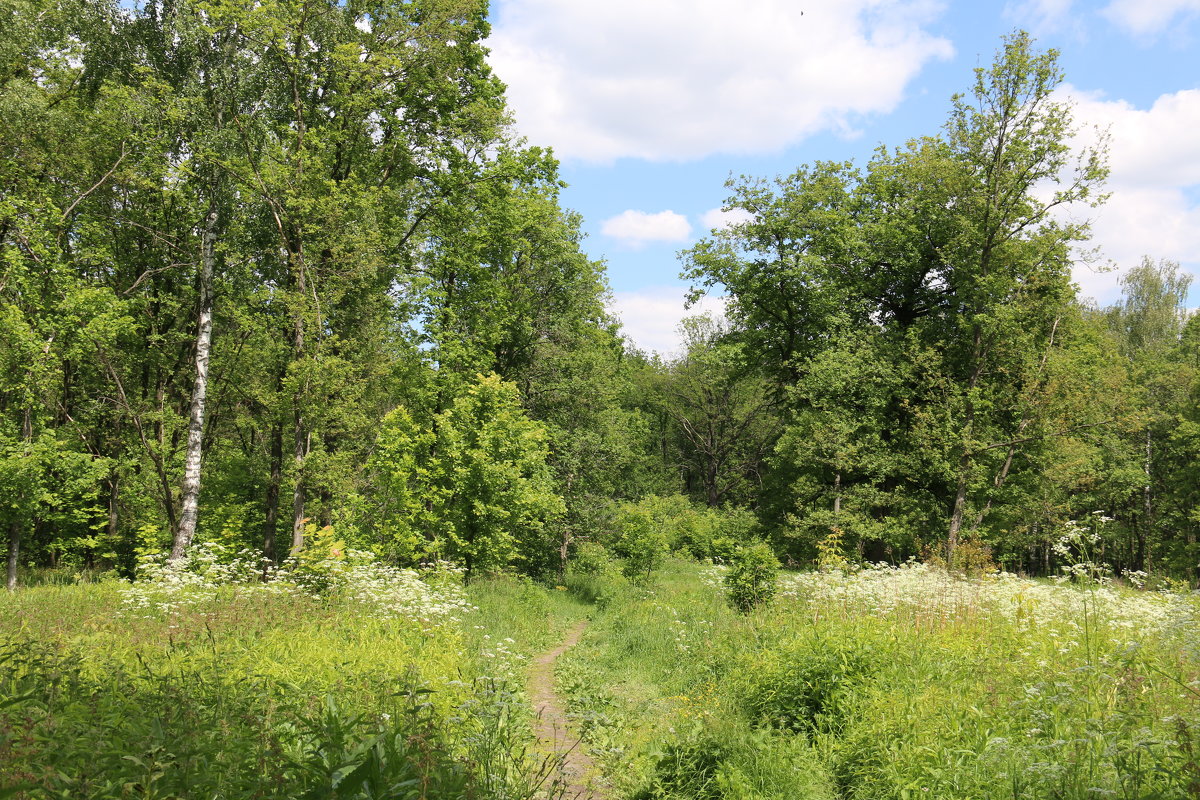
[591, 558]
[723, 758]
[688, 767]
[642, 541]
[735, 527]
[751, 580]
[692, 531]
[809, 683]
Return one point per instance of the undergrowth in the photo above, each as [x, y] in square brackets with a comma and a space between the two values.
[895, 683]
[374, 684]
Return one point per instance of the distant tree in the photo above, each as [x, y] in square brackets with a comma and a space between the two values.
[1148, 325]
[723, 413]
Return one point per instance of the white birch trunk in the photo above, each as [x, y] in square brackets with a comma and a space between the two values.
[195, 444]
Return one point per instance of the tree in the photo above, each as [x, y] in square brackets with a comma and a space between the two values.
[1008, 260]
[947, 254]
[50, 313]
[1147, 325]
[851, 460]
[474, 487]
[723, 413]
[782, 266]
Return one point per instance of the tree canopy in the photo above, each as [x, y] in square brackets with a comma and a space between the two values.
[269, 269]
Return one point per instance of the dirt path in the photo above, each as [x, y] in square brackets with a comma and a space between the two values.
[578, 769]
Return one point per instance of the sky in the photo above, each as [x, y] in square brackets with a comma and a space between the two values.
[651, 105]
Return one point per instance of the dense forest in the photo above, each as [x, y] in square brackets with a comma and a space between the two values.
[280, 275]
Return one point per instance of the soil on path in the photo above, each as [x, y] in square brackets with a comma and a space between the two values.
[550, 725]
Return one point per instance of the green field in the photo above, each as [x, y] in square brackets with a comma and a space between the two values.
[359, 681]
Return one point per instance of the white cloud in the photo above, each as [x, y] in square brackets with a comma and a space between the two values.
[651, 316]
[719, 218]
[1154, 155]
[1042, 16]
[1148, 17]
[682, 79]
[637, 228]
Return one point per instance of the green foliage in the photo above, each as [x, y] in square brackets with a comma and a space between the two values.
[400, 477]
[591, 558]
[680, 527]
[174, 735]
[722, 414]
[489, 482]
[726, 759]
[475, 487]
[810, 684]
[831, 551]
[267, 694]
[641, 539]
[750, 581]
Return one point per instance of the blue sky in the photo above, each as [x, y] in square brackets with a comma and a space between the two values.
[652, 104]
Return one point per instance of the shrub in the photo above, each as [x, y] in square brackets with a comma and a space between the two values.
[735, 527]
[723, 758]
[692, 532]
[479, 482]
[642, 541]
[591, 558]
[807, 685]
[751, 579]
[688, 766]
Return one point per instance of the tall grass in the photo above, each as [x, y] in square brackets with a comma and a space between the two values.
[892, 683]
[379, 685]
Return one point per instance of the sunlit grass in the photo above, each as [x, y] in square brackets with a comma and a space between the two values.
[893, 683]
[208, 686]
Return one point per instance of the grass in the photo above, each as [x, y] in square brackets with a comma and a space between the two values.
[887, 683]
[208, 690]
[897, 684]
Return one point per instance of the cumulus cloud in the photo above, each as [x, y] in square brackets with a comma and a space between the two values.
[675, 80]
[1154, 155]
[1148, 17]
[651, 316]
[638, 228]
[719, 218]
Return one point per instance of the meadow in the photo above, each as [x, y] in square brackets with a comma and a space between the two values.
[890, 682]
[348, 679]
[345, 679]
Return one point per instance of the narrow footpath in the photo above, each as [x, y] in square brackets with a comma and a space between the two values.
[550, 724]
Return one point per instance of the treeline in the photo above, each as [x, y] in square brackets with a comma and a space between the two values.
[273, 273]
[908, 346]
[260, 264]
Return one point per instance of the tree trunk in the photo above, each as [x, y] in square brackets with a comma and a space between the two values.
[300, 438]
[837, 494]
[1147, 515]
[14, 527]
[270, 529]
[960, 506]
[298, 491]
[978, 354]
[564, 545]
[114, 509]
[14, 552]
[190, 498]
[326, 508]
